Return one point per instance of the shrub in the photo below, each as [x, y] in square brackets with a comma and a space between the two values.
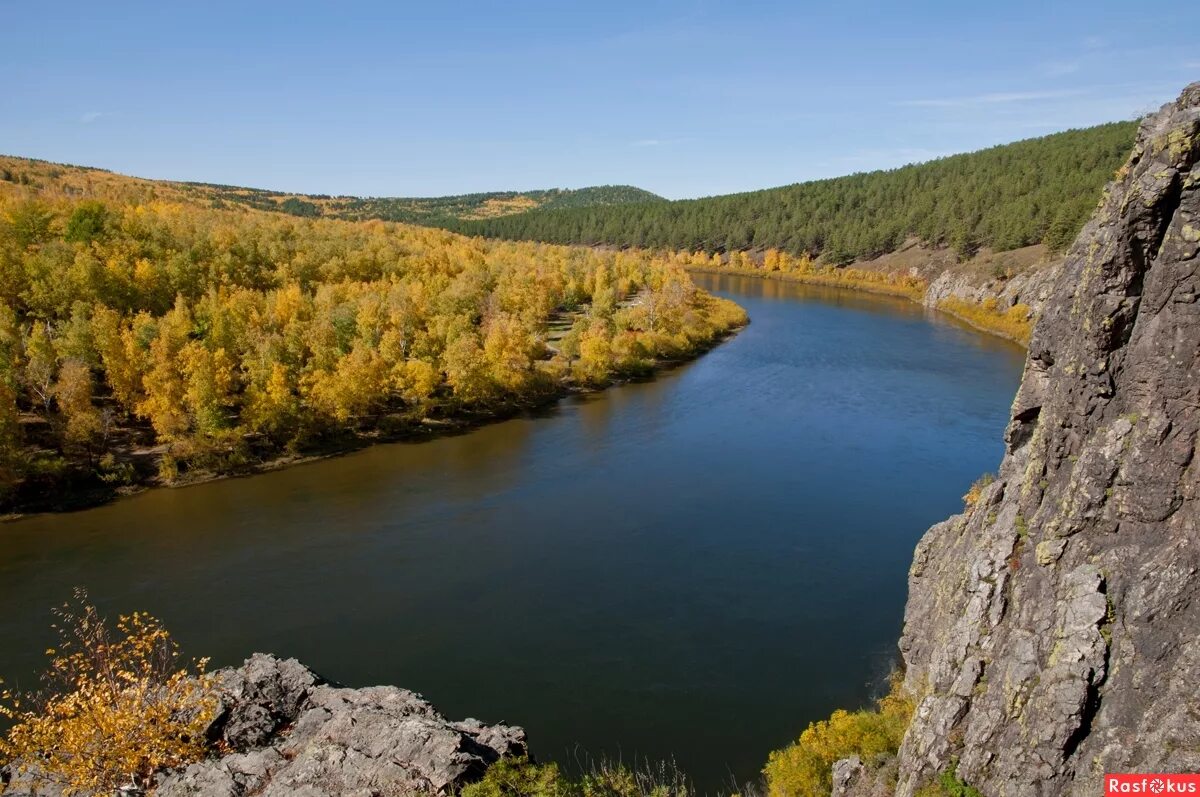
[948, 785]
[520, 777]
[609, 779]
[972, 496]
[1014, 323]
[112, 471]
[115, 707]
[805, 768]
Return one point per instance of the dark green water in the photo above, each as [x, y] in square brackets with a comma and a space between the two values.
[693, 567]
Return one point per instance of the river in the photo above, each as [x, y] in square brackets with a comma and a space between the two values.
[692, 567]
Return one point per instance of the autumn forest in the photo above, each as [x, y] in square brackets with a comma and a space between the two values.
[146, 339]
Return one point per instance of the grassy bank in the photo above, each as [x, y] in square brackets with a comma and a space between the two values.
[1013, 323]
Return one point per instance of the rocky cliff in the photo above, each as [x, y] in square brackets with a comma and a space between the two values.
[1051, 630]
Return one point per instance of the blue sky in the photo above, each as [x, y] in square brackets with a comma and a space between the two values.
[681, 98]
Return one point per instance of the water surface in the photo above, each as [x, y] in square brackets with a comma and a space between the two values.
[694, 567]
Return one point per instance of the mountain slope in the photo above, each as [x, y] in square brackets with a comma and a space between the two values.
[1029, 192]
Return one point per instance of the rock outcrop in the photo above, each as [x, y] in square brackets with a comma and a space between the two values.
[1032, 288]
[292, 733]
[1051, 630]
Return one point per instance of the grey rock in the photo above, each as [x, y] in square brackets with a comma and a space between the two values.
[1031, 288]
[847, 774]
[293, 733]
[1050, 631]
[852, 777]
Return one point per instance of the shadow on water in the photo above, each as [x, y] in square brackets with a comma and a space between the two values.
[691, 567]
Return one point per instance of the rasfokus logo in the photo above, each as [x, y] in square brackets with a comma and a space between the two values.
[1151, 783]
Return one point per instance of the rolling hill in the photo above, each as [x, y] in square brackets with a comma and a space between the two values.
[1034, 191]
[431, 211]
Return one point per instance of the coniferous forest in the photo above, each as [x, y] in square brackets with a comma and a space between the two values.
[1035, 191]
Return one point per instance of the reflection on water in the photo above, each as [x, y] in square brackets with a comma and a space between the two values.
[695, 566]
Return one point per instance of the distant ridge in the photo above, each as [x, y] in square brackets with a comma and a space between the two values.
[426, 210]
[435, 211]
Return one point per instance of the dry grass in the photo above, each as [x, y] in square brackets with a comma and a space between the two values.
[1014, 323]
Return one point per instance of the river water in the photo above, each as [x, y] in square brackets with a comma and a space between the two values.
[692, 568]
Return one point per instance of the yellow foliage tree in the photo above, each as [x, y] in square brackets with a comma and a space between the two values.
[772, 260]
[595, 363]
[356, 385]
[164, 404]
[805, 768]
[508, 350]
[40, 365]
[73, 395]
[466, 369]
[272, 408]
[416, 381]
[209, 382]
[117, 706]
[116, 343]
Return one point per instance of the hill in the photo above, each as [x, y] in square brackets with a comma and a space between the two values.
[1035, 191]
[433, 211]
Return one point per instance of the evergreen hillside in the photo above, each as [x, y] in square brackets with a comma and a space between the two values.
[1034, 191]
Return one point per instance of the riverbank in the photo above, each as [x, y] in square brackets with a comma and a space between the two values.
[999, 305]
[79, 490]
[602, 531]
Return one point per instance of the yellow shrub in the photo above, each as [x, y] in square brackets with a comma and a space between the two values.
[977, 488]
[116, 707]
[804, 768]
[803, 269]
[1014, 323]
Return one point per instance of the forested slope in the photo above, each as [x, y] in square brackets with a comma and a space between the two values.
[1035, 191]
[146, 337]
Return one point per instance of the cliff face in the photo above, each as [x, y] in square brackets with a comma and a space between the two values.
[1051, 632]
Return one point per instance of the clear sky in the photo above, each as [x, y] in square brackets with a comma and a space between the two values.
[682, 98]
